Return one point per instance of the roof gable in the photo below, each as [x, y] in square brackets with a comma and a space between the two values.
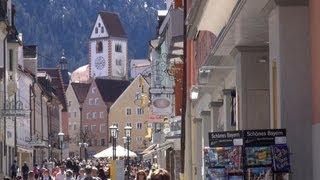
[111, 89]
[57, 84]
[133, 85]
[102, 31]
[81, 90]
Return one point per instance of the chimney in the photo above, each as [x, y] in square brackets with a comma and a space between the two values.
[30, 58]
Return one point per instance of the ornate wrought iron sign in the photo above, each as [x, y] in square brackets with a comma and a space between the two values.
[36, 141]
[13, 109]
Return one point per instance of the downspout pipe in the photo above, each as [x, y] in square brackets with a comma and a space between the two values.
[184, 87]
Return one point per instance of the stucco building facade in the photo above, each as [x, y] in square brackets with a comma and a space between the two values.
[125, 112]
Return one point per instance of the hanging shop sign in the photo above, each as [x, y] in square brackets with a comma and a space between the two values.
[13, 109]
[162, 106]
[36, 141]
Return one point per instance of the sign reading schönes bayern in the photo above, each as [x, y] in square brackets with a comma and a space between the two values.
[225, 139]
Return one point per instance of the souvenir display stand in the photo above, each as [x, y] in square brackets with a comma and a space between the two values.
[248, 155]
[224, 159]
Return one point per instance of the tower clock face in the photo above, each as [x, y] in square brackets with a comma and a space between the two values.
[100, 63]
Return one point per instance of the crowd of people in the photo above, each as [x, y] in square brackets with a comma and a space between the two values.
[94, 169]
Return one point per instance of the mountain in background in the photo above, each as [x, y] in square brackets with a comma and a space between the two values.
[57, 25]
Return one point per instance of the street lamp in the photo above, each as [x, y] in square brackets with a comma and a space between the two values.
[85, 145]
[50, 151]
[114, 135]
[127, 139]
[61, 135]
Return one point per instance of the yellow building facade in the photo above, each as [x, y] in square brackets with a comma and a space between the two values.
[126, 111]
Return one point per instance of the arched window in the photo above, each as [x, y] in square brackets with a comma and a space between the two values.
[102, 30]
[99, 47]
[96, 30]
[99, 25]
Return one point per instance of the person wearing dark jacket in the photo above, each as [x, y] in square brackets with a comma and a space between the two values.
[25, 171]
[14, 169]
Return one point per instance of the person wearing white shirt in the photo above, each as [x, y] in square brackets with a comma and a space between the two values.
[61, 175]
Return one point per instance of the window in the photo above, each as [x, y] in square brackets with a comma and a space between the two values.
[128, 111]
[99, 24]
[96, 30]
[102, 29]
[99, 47]
[101, 114]
[74, 127]
[93, 90]
[93, 128]
[102, 142]
[139, 125]
[90, 101]
[88, 115]
[103, 127]
[95, 142]
[116, 124]
[70, 126]
[140, 111]
[118, 48]
[96, 101]
[118, 62]
[10, 60]
[128, 124]
[139, 140]
[94, 115]
[69, 103]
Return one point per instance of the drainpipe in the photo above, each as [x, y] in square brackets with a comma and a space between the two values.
[5, 96]
[80, 108]
[41, 114]
[34, 119]
[15, 129]
[184, 87]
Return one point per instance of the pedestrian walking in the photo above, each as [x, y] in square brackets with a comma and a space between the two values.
[160, 174]
[81, 174]
[25, 171]
[14, 169]
[61, 175]
[141, 175]
[46, 175]
[69, 174]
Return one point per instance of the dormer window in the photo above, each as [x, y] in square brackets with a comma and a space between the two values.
[118, 48]
[102, 30]
[96, 30]
[99, 47]
[99, 25]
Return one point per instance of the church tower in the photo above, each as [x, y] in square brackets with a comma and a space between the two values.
[108, 48]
